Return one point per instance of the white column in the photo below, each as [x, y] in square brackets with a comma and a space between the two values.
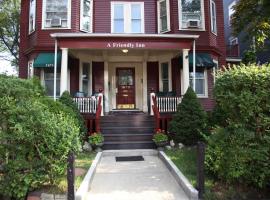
[106, 86]
[185, 71]
[152, 94]
[90, 79]
[80, 76]
[64, 71]
[145, 107]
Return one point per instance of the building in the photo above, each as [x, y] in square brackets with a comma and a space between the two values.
[127, 49]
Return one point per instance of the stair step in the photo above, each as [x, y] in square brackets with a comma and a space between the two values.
[128, 137]
[129, 145]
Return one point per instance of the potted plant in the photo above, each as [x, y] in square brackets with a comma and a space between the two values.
[160, 138]
[96, 140]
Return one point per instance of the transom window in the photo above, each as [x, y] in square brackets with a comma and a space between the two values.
[200, 82]
[191, 14]
[163, 15]
[32, 16]
[213, 17]
[56, 13]
[127, 17]
[86, 15]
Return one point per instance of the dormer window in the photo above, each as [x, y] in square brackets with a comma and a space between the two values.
[163, 16]
[191, 14]
[56, 14]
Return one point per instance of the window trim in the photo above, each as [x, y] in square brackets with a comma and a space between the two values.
[91, 17]
[169, 75]
[168, 16]
[180, 18]
[215, 69]
[127, 16]
[30, 69]
[44, 17]
[213, 25]
[34, 17]
[206, 84]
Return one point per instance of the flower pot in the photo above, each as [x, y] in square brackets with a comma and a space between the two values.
[97, 147]
[161, 144]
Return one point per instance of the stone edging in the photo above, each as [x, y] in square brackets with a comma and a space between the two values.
[85, 185]
[190, 191]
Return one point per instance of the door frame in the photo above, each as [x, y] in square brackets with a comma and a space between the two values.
[134, 84]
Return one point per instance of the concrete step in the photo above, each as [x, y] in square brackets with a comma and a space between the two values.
[129, 145]
[128, 137]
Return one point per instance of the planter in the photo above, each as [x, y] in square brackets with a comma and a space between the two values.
[97, 147]
[161, 145]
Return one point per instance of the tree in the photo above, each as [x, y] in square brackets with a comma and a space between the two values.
[9, 30]
[253, 18]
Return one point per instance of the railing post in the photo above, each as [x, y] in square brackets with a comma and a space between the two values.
[71, 176]
[100, 95]
[200, 168]
[152, 94]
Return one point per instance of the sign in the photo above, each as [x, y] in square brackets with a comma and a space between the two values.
[130, 45]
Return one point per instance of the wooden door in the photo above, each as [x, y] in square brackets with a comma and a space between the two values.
[125, 97]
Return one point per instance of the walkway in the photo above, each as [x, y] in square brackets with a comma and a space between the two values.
[134, 180]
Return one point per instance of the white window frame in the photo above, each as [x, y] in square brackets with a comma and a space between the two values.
[213, 17]
[34, 16]
[91, 17]
[180, 18]
[44, 17]
[233, 40]
[205, 95]
[168, 16]
[169, 75]
[215, 69]
[127, 15]
[231, 12]
[30, 69]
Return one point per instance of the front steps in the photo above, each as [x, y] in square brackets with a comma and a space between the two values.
[127, 130]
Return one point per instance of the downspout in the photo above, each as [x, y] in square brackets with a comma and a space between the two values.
[194, 66]
[55, 70]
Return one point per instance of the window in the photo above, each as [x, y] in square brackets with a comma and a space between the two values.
[86, 15]
[127, 17]
[233, 41]
[56, 13]
[163, 15]
[49, 82]
[231, 11]
[30, 69]
[200, 81]
[165, 77]
[213, 17]
[85, 78]
[191, 14]
[32, 16]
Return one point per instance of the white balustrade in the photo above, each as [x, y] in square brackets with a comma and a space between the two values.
[168, 104]
[86, 104]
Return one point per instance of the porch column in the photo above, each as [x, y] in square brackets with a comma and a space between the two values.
[106, 86]
[64, 71]
[145, 108]
[185, 71]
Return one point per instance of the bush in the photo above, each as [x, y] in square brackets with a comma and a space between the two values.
[236, 156]
[190, 120]
[36, 135]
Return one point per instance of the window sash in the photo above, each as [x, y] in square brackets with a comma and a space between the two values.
[163, 15]
[49, 83]
[32, 16]
[86, 15]
[200, 80]
[213, 17]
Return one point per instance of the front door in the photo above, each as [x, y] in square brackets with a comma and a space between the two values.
[125, 97]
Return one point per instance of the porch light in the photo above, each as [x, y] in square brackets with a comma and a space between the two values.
[125, 50]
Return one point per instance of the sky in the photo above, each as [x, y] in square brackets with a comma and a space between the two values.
[6, 68]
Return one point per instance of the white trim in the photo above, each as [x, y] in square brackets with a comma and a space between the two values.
[91, 17]
[30, 69]
[145, 105]
[213, 15]
[106, 87]
[215, 70]
[231, 11]
[167, 15]
[202, 28]
[232, 39]
[127, 15]
[233, 59]
[44, 17]
[34, 16]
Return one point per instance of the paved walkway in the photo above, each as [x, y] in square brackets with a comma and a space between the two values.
[137, 180]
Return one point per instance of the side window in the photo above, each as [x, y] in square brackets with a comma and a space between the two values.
[163, 7]
[32, 16]
[86, 15]
[213, 17]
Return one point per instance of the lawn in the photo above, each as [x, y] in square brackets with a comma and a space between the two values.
[185, 160]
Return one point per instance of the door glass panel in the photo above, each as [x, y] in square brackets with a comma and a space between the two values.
[125, 77]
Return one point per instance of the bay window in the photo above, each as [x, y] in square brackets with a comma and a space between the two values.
[56, 13]
[127, 17]
[213, 16]
[200, 82]
[86, 15]
[32, 16]
[163, 15]
[191, 14]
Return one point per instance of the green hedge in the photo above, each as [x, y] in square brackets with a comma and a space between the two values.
[36, 135]
[238, 150]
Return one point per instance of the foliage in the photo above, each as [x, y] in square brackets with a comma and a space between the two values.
[249, 57]
[236, 155]
[9, 29]
[36, 135]
[190, 120]
[255, 22]
[160, 137]
[66, 99]
[96, 139]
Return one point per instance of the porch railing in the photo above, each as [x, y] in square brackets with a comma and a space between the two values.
[86, 104]
[168, 104]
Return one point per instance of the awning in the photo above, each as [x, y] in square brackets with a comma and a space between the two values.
[203, 60]
[47, 60]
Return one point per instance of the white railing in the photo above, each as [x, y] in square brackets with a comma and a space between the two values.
[86, 104]
[168, 104]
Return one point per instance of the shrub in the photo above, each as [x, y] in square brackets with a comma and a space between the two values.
[189, 122]
[36, 135]
[160, 137]
[96, 139]
[66, 99]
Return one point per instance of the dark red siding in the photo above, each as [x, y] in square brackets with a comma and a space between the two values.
[176, 76]
[152, 77]
[98, 76]
[74, 65]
